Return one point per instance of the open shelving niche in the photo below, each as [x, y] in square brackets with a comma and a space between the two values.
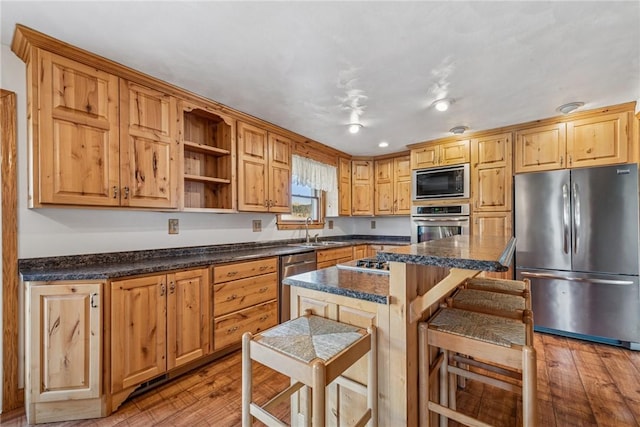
[209, 147]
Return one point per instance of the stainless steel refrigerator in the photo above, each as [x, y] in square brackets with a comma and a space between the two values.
[577, 240]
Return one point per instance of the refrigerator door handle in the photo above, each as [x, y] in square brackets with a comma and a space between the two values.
[565, 218]
[576, 217]
[576, 279]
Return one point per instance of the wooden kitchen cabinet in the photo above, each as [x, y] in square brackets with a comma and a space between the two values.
[491, 173]
[440, 154]
[359, 251]
[209, 159]
[392, 186]
[264, 170]
[85, 152]
[63, 351]
[344, 187]
[330, 257]
[245, 299]
[593, 141]
[372, 250]
[362, 184]
[158, 323]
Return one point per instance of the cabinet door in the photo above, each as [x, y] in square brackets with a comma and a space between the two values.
[344, 187]
[453, 153]
[252, 168]
[63, 342]
[359, 251]
[494, 224]
[601, 140]
[76, 143]
[138, 330]
[362, 187]
[383, 187]
[491, 175]
[541, 148]
[188, 316]
[402, 185]
[148, 147]
[279, 181]
[425, 157]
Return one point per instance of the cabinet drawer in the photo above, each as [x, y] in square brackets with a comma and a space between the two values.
[334, 254]
[228, 330]
[332, 262]
[225, 273]
[243, 293]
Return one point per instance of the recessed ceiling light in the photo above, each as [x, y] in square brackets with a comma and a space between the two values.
[442, 104]
[354, 127]
[569, 107]
[383, 144]
[458, 130]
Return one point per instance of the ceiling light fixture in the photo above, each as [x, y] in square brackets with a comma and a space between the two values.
[354, 127]
[569, 107]
[458, 130]
[442, 104]
[383, 144]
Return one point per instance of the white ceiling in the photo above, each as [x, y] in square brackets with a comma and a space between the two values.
[307, 66]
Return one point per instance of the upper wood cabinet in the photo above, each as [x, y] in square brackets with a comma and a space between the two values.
[593, 141]
[344, 187]
[63, 351]
[148, 147]
[264, 170]
[209, 159]
[491, 173]
[85, 153]
[362, 183]
[393, 186]
[440, 154]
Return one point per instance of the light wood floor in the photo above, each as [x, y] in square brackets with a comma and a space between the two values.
[579, 384]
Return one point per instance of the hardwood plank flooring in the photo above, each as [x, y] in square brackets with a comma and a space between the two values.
[579, 384]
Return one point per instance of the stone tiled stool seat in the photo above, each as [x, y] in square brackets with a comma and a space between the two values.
[313, 351]
[503, 345]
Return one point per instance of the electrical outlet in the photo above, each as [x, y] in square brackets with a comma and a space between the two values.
[257, 225]
[173, 226]
[373, 225]
[330, 224]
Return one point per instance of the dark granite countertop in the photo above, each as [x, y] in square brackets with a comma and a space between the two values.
[355, 284]
[122, 264]
[487, 253]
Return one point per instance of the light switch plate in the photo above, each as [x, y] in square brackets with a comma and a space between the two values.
[173, 226]
[373, 225]
[330, 224]
[257, 225]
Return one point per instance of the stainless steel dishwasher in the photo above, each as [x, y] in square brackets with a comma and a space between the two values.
[291, 265]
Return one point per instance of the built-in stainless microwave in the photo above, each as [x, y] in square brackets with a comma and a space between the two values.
[441, 183]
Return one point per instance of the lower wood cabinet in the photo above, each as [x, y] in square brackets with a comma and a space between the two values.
[359, 251]
[245, 299]
[330, 257]
[158, 323]
[63, 351]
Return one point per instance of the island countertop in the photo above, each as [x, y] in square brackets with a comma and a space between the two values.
[372, 287]
[487, 253]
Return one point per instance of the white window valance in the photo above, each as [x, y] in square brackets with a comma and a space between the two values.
[314, 174]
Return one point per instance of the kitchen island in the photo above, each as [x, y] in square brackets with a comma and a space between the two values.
[421, 275]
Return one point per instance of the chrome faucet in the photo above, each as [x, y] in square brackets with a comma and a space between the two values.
[306, 226]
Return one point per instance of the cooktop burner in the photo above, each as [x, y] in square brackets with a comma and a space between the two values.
[369, 265]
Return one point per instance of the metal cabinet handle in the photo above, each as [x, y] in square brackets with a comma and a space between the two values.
[264, 267]
[115, 192]
[172, 287]
[263, 317]
[232, 297]
[263, 290]
[232, 273]
[232, 330]
[126, 192]
[163, 289]
[93, 301]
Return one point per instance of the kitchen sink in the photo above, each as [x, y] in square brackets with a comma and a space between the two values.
[318, 244]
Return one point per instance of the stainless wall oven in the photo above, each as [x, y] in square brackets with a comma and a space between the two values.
[441, 183]
[437, 222]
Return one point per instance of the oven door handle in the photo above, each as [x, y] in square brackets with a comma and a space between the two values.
[445, 219]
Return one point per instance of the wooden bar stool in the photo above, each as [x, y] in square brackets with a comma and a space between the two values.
[503, 345]
[313, 351]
